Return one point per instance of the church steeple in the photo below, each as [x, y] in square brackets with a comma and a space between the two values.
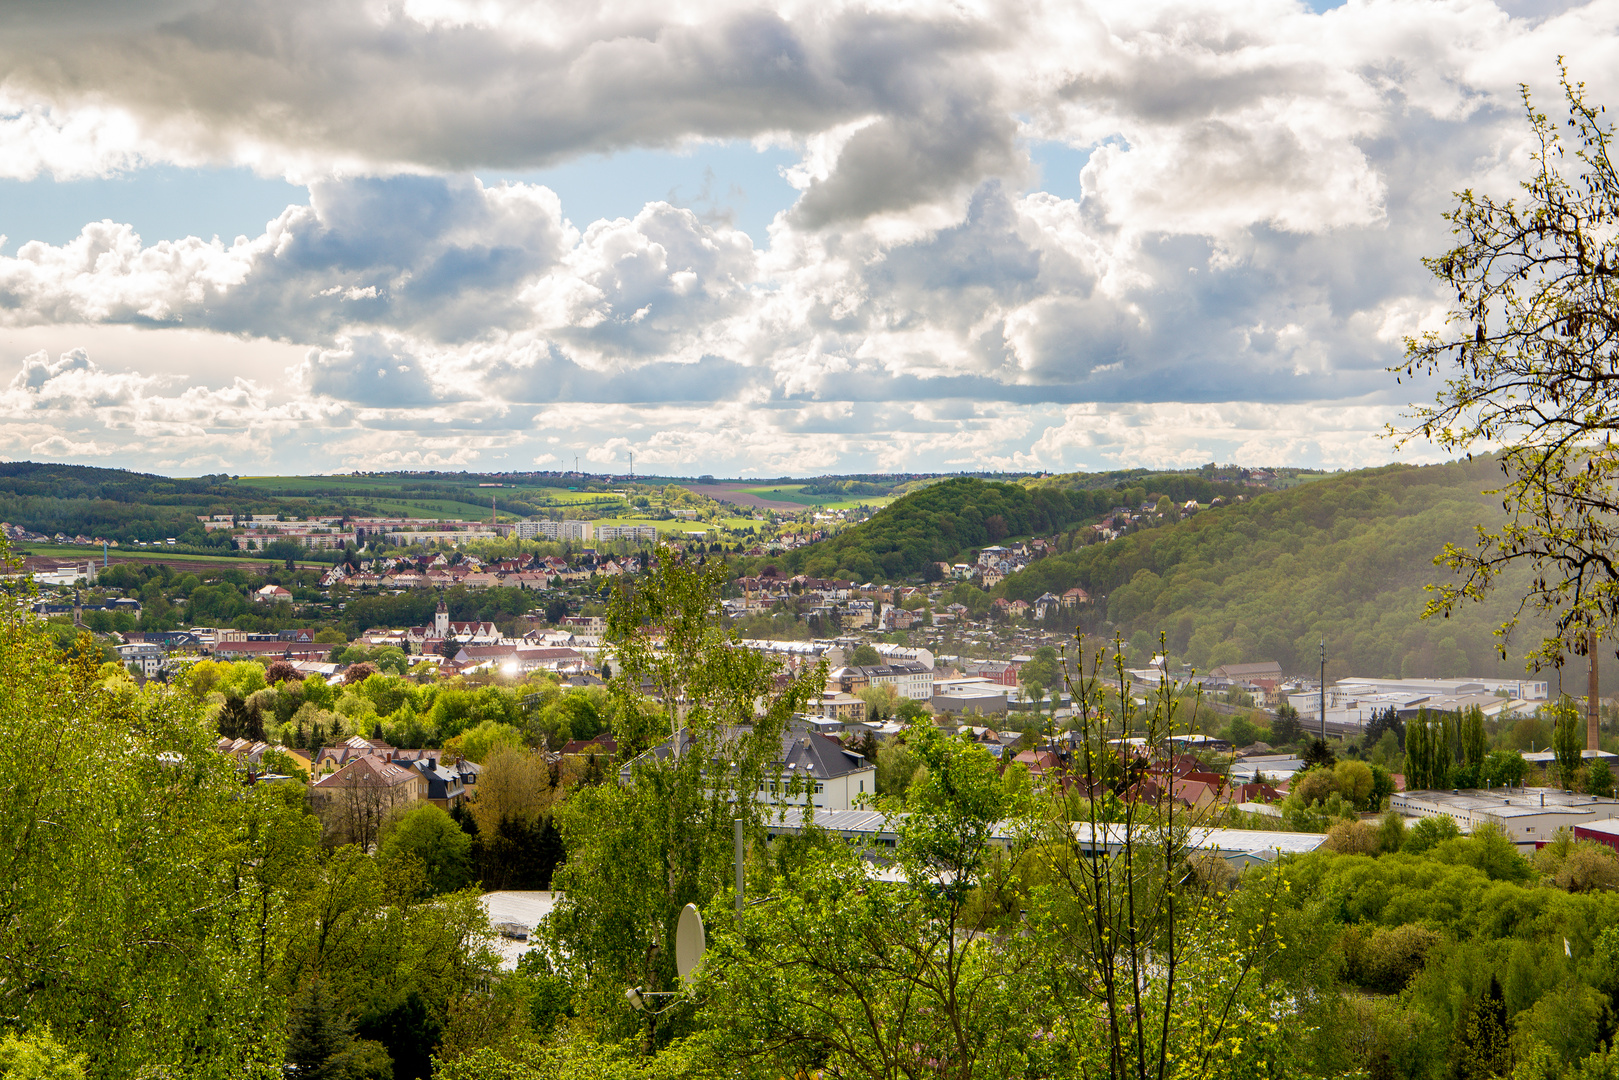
[441, 620]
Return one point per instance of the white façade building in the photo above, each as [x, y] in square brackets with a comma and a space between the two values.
[812, 769]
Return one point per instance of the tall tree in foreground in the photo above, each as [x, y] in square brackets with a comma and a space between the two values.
[1530, 354]
[129, 854]
[1061, 931]
[640, 850]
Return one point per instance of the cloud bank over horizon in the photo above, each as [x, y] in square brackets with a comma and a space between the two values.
[1221, 265]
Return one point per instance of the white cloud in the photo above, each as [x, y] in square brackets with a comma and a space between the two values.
[1260, 184]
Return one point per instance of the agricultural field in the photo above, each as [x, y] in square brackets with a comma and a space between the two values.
[179, 560]
[790, 498]
[681, 527]
[387, 496]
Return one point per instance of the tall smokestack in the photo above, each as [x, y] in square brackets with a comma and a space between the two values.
[1593, 727]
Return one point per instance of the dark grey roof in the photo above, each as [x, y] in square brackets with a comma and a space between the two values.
[802, 750]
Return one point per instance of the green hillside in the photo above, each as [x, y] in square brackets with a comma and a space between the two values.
[130, 506]
[950, 518]
[1346, 557]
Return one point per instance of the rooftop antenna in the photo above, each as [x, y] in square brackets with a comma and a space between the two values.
[690, 943]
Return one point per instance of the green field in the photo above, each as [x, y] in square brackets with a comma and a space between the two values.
[81, 553]
[794, 493]
[386, 497]
[679, 527]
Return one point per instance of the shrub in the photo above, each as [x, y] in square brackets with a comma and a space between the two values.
[1212, 874]
[1392, 956]
[1314, 786]
[1391, 832]
[1354, 781]
[1589, 867]
[1352, 838]
[1429, 831]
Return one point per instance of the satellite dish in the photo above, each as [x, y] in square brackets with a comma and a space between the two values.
[689, 941]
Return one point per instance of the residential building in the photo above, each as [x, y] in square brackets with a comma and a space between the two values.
[354, 801]
[910, 678]
[813, 769]
[838, 705]
[637, 533]
[145, 656]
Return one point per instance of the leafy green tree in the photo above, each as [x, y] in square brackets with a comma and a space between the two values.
[1391, 832]
[1502, 767]
[864, 655]
[897, 765]
[639, 851]
[1040, 674]
[1568, 741]
[1427, 832]
[873, 982]
[428, 835]
[477, 743]
[1355, 781]
[1242, 732]
[38, 1056]
[1527, 351]
[1474, 744]
[132, 858]
[1599, 779]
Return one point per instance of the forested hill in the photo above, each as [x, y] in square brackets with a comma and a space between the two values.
[939, 522]
[1345, 556]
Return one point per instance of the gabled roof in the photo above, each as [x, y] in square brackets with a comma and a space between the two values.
[367, 772]
[815, 755]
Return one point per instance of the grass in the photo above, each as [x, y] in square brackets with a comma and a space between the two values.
[139, 554]
[679, 527]
[794, 493]
[387, 498]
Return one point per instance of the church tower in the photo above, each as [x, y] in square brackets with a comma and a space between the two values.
[441, 620]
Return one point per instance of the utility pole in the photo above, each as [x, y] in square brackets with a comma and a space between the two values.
[740, 846]
[1323, 688]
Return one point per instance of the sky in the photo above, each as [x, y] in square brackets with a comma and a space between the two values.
[300, 236]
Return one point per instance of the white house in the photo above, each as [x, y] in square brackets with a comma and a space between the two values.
[813, 769]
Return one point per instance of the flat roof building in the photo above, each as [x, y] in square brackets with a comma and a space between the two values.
[1529, 816]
